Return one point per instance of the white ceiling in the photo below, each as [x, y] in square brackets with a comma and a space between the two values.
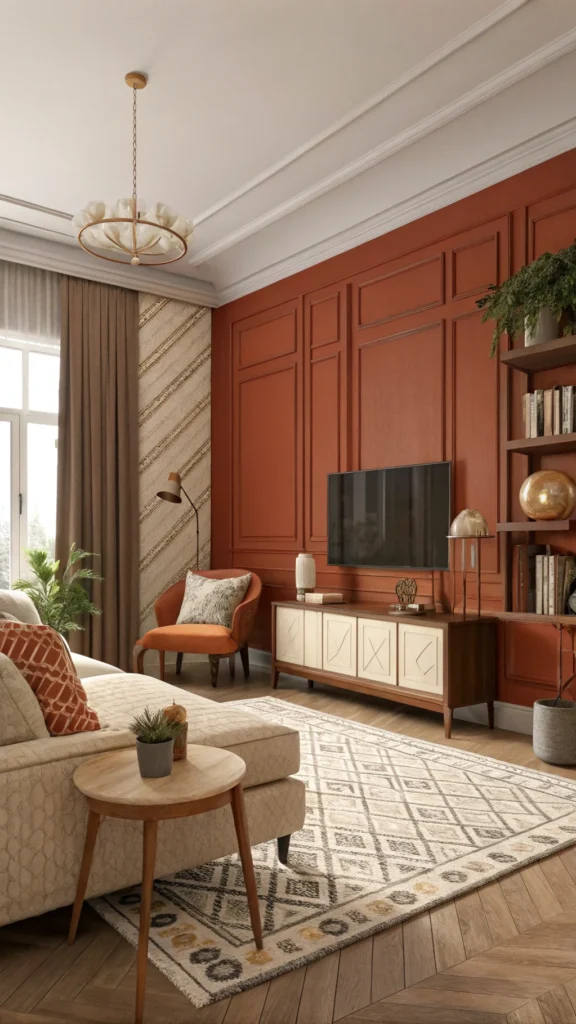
[288, 130]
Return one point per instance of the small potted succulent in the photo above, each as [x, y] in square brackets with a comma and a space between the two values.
[155, 736]
[539, 300]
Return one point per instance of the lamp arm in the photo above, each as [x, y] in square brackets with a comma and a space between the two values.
[197, 527]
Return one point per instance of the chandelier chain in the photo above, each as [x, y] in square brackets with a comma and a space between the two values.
[134, 194]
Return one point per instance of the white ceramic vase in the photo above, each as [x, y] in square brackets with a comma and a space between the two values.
[305, 575]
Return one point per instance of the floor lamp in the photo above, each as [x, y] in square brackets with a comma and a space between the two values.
[172, 493]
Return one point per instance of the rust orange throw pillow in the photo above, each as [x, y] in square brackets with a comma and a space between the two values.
[42, 657]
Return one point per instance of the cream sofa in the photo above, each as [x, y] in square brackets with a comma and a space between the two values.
[43, 817]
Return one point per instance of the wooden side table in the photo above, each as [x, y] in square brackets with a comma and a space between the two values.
[208, 779]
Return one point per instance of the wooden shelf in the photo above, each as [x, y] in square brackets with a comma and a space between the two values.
[549, 445]
[561, 352]
[533, 619]
[534, 526]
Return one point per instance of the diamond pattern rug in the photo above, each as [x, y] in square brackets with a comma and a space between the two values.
[394, 826]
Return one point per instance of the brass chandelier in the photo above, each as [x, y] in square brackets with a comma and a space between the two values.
[127, 233]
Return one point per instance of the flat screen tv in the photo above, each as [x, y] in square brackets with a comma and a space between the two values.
[394, 518]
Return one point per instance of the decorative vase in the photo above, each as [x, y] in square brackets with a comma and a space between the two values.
[548, 494]
[155, 759]
[546, 329]
[469, 523]
[554, 739]
[305, 575]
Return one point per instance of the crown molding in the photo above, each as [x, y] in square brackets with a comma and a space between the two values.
[504, 10]
[66, 259]
[487, 90]
[527, 154]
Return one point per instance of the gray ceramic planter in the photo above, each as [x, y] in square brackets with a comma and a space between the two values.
[155, 759]
[554, 739]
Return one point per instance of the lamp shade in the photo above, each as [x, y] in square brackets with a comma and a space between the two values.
[469, 523]
[171, 492]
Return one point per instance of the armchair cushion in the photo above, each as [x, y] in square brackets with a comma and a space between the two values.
[212, 601]
[190, 639]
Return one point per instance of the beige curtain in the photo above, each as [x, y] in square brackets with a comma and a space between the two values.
[98, 457]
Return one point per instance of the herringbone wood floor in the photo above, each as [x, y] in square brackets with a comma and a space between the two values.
[505, 953]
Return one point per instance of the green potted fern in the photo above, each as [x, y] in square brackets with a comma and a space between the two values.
[61, 598]
[537, 300]
[155, 736]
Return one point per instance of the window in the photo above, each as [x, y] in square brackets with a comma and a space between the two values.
[29, 377]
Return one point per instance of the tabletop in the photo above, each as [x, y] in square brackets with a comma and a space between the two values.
[115, 777]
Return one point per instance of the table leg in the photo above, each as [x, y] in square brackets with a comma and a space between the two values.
[149, 860]
[247, 864]
[89, 844]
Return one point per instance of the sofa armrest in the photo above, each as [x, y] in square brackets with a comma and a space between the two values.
[31, 753]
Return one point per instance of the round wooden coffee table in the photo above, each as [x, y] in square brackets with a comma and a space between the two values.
[208, 779]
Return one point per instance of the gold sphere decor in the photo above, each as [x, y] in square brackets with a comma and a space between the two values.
[469, 523]
[548, 494]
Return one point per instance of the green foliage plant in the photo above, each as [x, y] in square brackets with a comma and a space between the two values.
[61, 598]
[547, 283]
[154, 727]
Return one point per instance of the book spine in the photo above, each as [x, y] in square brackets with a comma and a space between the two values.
[522, 556]
[567, 408]
[526, 413]
[557, 412]
[539, 412]
[545, 565]
[552, 566]
[548, 411]
[533, 417]
[539, 574]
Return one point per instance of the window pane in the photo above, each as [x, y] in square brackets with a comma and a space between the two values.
[5, 517]
[43, 379]
[10, 378]
[42, 462]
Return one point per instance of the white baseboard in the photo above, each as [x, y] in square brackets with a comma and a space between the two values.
[514, 717]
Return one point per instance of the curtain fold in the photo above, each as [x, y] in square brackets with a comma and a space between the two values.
[29, 303]
[98, 504]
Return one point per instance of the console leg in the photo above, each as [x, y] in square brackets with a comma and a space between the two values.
[283, 847]
[310, 684]
[447, 722]
[490, 706]
[275, 677]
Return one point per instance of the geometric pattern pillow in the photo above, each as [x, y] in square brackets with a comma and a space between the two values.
[212, 602]
[42, 657]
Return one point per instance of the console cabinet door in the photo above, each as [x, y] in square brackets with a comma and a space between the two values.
[312, 639]
[420, 658]
[290, 635]
[377, 651]
[339, 647]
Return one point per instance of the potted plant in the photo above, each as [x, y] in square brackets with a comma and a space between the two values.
[535, 299]
[60, 598]
[155, 742]
[554, 731]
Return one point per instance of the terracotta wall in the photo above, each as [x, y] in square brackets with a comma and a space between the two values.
[377, 357]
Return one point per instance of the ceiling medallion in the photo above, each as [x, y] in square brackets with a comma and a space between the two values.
[127, 233]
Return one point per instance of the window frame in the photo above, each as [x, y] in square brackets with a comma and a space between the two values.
[20, 419]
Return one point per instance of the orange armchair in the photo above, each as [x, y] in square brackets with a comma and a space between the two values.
[215, 641]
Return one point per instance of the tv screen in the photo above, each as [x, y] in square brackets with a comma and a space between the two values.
[390, 518]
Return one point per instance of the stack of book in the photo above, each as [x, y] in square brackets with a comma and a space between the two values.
[549, 412]
[541, 581]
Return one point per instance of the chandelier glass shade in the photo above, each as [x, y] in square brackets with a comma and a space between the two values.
[129, 232]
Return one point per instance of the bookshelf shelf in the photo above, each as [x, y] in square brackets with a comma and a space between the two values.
[550, 445]
[549, 356]
[534, 526]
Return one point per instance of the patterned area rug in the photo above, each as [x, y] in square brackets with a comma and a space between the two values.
[394, 826]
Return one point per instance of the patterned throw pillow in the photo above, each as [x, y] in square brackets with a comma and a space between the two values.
[40, 654]
[212, 602]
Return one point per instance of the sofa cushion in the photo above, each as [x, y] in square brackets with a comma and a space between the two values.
[87, 667]
[271, 751]
[18, 604]
[20, 715]
[43, 658]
